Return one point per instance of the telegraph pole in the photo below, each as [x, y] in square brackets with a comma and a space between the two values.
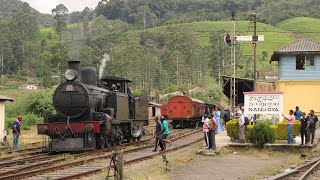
[233, 60]
[254, 43]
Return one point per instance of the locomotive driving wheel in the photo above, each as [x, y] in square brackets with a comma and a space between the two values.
[102, 141]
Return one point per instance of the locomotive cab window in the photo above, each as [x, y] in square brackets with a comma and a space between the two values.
[305, 62]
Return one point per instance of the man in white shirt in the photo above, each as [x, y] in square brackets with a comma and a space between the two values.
[242, 127]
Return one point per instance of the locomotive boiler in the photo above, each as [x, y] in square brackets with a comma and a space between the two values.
[92, 113]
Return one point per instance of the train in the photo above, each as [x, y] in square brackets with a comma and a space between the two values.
[185, 112]
[92, 113]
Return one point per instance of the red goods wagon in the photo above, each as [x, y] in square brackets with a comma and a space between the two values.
[185, 111]
[164, 110]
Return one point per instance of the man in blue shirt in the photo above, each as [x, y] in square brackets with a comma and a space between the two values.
[298, 113]
[157, 133]
[16, 133]
[164, 133]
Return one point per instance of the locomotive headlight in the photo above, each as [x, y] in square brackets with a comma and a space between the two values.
[70, 74]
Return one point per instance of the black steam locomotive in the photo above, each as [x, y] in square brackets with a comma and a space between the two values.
[93, 113]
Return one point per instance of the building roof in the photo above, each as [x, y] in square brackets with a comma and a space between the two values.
[153, 104]
[5, 98]
[301, 46]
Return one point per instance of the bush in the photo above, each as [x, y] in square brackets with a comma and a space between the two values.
[261, 134]
[39, 103]
[280, 129]
[27, 121]
[282, 133]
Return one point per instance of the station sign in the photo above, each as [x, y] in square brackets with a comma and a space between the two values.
[263, 102]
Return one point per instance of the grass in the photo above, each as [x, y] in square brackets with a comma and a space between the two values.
[300, 25]
[27, 137]
[155, 168]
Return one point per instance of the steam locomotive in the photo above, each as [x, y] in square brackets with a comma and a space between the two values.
[92, 113]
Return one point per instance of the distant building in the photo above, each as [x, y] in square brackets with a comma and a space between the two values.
[299, 75]
[267, 75]
[154, 110]
[28, 86]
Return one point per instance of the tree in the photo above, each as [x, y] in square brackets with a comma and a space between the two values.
[60, 24]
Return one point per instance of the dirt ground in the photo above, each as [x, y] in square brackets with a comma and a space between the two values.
[224, 168]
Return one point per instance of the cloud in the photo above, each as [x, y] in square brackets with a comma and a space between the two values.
[45, 6]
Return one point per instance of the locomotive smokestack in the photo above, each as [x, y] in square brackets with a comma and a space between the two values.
[74, 64]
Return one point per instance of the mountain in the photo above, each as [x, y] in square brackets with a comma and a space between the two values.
[9, 7]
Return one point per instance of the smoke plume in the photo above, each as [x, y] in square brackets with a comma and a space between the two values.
[103, 62]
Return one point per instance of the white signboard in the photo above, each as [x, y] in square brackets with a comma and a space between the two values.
[263, 102]
[249, 38]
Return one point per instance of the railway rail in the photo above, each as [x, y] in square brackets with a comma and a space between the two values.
[48, 163]
[57, 165]
[8, 149]
[303, 172]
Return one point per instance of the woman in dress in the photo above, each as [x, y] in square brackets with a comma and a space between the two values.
[216, 115]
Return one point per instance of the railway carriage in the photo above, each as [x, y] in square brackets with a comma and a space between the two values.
[92, 113]
[185, 111]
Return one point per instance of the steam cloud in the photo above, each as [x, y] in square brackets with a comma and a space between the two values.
[103, 62]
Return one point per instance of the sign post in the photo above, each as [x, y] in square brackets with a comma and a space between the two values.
[263, 103]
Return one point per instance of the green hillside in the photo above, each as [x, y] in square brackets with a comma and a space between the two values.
[302, 27]
[275, 37]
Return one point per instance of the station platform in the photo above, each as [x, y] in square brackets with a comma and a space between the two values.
[222, 140]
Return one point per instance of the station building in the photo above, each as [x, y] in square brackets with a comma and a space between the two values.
[299, 75]
[3, 99]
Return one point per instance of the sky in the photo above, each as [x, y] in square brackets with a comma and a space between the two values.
[45, 6]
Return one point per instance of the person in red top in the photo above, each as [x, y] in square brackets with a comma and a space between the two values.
[290, 118]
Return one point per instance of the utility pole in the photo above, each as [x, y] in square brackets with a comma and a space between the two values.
[254, 43]
[233, 62]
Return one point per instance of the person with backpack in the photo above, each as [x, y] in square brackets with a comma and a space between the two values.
[242, 127]
[212, 132]
[313, 119]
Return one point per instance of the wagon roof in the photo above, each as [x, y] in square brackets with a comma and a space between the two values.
[192, 99]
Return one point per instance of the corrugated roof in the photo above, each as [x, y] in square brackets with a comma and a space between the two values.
[302, 45]
[5, 98]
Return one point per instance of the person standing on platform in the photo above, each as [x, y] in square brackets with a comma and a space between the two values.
[313, 119]
[290, 118]
[216, 115]
[157, 133]
[297, 113]
[242, 127]
[16, 133]
[205, 128]
[212, 132]
[304, 128]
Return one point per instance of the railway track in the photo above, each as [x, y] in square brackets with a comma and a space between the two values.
[46, 163]
[8, 149]
[303, 172]
[57, 166]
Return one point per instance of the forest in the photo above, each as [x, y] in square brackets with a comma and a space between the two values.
[154, 43]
